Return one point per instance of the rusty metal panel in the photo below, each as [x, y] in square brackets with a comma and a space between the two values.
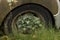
[50, 4]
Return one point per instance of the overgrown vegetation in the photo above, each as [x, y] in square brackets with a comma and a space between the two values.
[43, 34]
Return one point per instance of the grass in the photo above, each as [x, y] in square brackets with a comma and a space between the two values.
[43, 34]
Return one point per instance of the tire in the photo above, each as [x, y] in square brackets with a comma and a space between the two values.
[44, 12]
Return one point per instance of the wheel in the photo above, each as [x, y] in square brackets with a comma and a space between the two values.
[22, 18]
